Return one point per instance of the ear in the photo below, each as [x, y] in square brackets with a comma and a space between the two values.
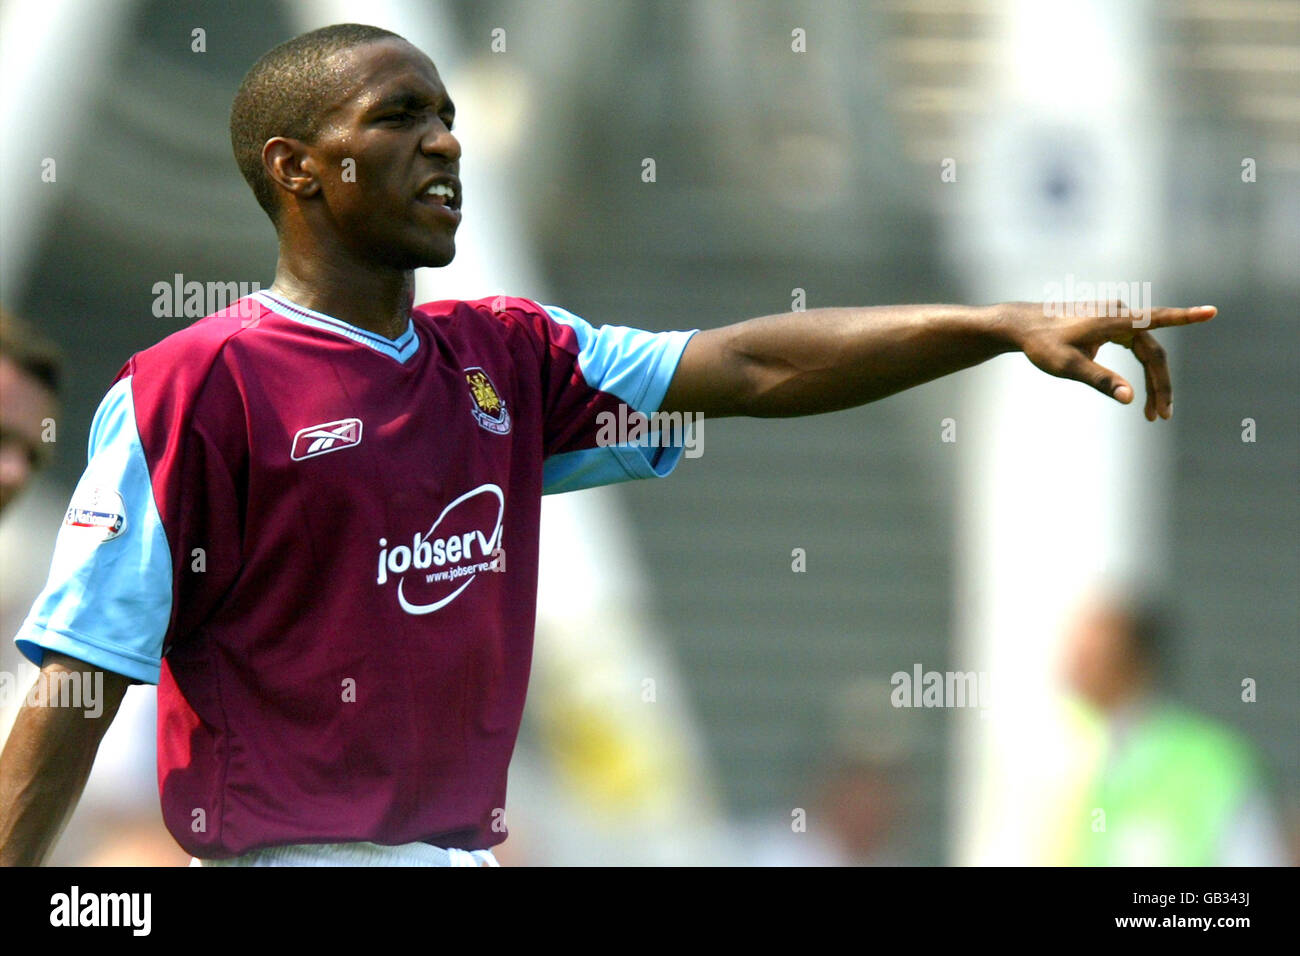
[290, 166]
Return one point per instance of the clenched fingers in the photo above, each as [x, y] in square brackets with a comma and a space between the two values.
[1160, 390]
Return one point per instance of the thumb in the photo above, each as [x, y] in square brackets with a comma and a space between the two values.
[1111, 384]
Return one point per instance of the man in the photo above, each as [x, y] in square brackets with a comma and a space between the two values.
[29, 386]
[296, 511]
[1172, 787]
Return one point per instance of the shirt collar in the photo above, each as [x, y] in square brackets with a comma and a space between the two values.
[401, 348]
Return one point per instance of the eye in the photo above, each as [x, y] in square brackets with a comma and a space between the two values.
[449, 122]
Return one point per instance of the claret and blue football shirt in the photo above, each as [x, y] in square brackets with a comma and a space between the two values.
[321, 544]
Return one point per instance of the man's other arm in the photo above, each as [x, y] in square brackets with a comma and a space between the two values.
[823, 360]
[47, 759]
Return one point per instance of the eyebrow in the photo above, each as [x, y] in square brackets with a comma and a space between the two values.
[411, 99]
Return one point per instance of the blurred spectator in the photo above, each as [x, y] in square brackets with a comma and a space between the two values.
[855, 806]
[1171, 787]
[29, 385]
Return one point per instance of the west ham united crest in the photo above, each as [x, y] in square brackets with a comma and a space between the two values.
[489, 408]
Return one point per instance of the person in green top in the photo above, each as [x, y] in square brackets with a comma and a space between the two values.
[1172, 787]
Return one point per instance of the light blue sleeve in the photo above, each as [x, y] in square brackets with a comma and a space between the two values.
[636, 367]
[108, 598]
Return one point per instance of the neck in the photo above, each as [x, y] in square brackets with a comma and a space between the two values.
[1125, 700]
[378, 300]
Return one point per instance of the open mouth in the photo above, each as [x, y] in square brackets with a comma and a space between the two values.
[443, 194]
[443, 197]
[444, 191]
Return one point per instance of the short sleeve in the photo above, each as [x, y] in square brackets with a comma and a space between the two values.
[604, 388]
[108, 598]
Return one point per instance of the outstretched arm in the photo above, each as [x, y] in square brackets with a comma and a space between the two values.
[823, 360]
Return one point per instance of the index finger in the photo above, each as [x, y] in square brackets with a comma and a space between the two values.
[1164, 317]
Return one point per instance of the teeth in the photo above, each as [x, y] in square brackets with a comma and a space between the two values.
[441, 189]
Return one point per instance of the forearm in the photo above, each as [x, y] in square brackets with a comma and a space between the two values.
[43, 771]
[823, 360]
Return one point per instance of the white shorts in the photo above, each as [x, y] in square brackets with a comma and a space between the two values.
[357, 854]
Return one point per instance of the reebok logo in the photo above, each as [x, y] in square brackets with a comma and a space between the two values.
[323, 439]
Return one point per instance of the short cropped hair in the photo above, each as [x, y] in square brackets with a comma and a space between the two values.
[1150, 623]
[30, 350]
[284, 94]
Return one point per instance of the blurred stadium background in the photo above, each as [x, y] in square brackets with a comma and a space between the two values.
[695, 698]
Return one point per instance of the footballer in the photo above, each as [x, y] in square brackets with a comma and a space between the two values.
[295, 514]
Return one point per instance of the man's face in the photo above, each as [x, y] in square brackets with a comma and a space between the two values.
[1099, 661]
[392, 120]
[25, 404]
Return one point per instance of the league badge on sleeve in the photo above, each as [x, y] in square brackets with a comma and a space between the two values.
[489, 408]
[100, 512]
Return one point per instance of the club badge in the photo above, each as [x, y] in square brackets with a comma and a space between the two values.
[489, 408]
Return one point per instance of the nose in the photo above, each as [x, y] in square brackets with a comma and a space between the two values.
[440, 141]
